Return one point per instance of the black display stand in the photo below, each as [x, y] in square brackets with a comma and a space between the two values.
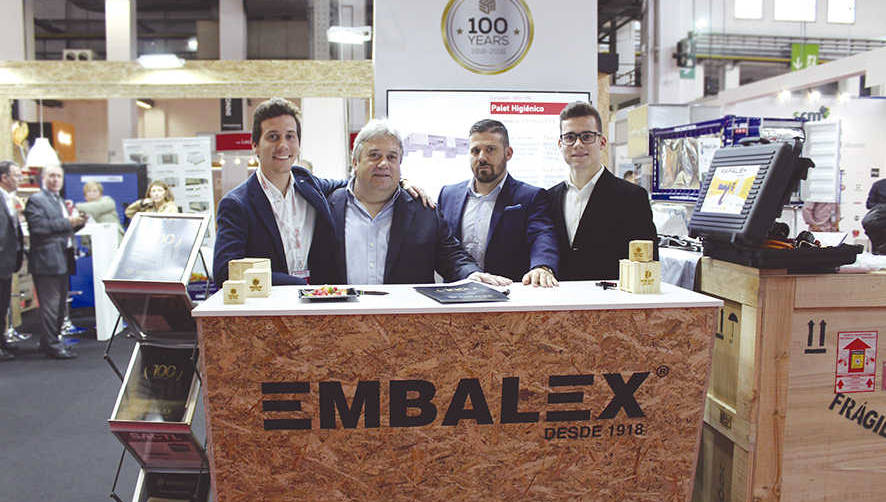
[156, 404]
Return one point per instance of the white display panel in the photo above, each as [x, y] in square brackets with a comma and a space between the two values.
[435, 124]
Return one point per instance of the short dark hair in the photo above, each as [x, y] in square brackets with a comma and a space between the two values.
[491, 126]
[627, 173]
[581, 109]
[6, 166]
[271, 108]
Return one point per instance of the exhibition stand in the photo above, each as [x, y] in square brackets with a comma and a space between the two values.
[566, 393]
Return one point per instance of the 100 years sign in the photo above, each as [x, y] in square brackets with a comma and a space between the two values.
[487, 36]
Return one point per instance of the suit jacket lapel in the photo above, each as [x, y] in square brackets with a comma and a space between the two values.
[504, 199]
[262, 208]
[404, 212]
[3, 201]
[558, 193]
[596, 204]
[458, 209]
[314, 198]
[338, 201]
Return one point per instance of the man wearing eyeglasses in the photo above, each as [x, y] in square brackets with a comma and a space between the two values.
[596, 213]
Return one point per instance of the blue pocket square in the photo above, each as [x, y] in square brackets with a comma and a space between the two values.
[515, 207]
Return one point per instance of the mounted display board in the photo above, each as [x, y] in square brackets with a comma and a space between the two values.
[436, 151]
[148, 278]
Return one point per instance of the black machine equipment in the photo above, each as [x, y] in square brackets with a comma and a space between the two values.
[744, 192]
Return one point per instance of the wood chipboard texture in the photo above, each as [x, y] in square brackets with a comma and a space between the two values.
[466, 461]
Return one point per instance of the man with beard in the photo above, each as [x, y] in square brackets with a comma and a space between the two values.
[504, 224]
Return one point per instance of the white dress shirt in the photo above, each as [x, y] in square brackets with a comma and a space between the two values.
[366, 240]
[476, 219]
[295, 222]
[576, 201]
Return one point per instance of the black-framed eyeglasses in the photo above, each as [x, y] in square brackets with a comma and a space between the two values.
[586, 137]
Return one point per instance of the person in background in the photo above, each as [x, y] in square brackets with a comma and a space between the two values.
[630, 177]
[51, 257]
[158, 199]
[384, 235]
[596, 214]
[98, 206]
[10, 245]
[503, 223]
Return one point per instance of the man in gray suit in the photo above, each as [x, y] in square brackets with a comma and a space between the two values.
[10, 243]
[51, 257]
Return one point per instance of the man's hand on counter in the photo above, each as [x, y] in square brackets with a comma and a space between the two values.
[540, 277]
[492, 280]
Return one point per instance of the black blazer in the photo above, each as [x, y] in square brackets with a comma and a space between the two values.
[10, 241]
[420, 242]
[50, 230]
[247, 228]
[617, 213]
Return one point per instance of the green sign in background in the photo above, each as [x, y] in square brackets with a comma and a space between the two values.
[803, 56]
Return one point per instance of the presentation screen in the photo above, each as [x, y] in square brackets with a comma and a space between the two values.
[435, 124]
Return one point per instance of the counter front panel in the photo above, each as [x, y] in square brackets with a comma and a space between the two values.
[602, 404]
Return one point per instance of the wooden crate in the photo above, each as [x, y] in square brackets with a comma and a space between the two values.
[771, 432]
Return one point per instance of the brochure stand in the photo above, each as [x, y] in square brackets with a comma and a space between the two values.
[147, 282]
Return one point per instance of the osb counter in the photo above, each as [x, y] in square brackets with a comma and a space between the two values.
[572, 393]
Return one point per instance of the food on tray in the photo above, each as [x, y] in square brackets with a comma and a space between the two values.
[325, 292]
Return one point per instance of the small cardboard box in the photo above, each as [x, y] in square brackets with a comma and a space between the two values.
[258, 282]
[234, 292]
[645, 277]
[236, 268]
[640, 250]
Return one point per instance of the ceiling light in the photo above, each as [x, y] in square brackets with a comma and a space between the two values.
[354, 35]
[160, 61]
[64, 138]
[193, 44]
[145, 104]
[41, 154]
[843, 97]
[784, 96]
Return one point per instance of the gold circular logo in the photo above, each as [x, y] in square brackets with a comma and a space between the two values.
[487, 36]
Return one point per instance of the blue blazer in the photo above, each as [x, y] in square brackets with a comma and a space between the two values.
[521, 233]
[419, 243]
[247, 228]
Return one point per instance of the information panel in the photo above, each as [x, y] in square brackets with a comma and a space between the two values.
[435, 124]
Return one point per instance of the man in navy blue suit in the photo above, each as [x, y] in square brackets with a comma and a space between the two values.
[504, 224]
[280, 212]
[384, 235]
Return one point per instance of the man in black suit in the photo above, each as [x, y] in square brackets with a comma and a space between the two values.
[596, 214]
[51, 257]
[10, 244]
[384, 235]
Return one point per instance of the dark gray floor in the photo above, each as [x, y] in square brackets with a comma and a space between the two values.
[54, 438]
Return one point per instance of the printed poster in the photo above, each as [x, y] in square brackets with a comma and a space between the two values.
[185, 164]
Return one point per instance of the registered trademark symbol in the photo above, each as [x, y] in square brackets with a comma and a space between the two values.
[662, 371]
